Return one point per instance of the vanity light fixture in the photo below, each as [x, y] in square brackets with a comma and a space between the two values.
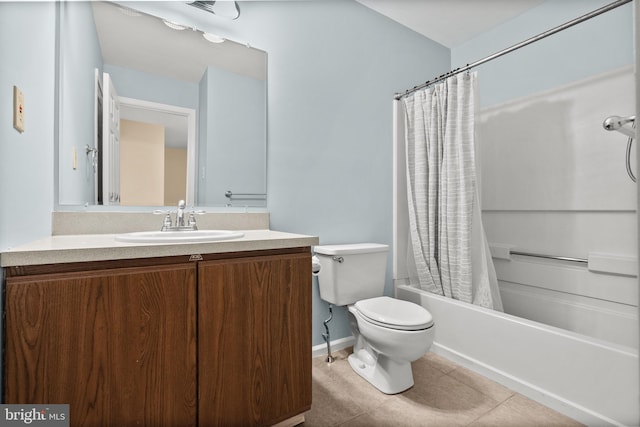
[173, 25]
[224, 9]
[128, 11]
[213, 38]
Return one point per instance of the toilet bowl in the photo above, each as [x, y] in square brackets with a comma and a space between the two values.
[389, 333]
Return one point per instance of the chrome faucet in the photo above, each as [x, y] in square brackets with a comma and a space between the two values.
[180, 214]
[180, 225]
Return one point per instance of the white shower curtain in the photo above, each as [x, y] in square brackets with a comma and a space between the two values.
[447, 239]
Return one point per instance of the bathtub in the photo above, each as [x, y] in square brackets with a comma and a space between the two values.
[591, 381]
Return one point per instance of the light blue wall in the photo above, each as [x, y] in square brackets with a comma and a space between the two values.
[27, 49]
[26, 159]
[333, 68]
[80, 59]
[601, 44]
[150, 87]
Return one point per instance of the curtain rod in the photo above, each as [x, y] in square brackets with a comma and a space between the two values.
[533, 39]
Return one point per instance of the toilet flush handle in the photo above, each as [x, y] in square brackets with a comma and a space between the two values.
[339, 259]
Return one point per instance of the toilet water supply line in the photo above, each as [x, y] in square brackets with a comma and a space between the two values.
[315, 270]
[326, 336]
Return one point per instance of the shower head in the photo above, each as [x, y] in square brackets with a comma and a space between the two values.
[618, 123]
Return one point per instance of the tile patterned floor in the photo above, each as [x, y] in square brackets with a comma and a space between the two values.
[444, 394]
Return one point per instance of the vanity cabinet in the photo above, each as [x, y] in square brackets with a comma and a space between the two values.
[254, 340]
[117, 345]
[224, 340]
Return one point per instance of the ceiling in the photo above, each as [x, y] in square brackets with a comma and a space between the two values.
[133, 39]
[139, 41]
[450, 22]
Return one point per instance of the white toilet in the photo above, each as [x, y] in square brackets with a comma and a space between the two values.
[389, 333]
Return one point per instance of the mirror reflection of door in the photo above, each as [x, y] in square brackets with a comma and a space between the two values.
[96, 160]
[110, 149]
[143, 151]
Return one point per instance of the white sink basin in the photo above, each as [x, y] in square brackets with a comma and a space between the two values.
[197, 236]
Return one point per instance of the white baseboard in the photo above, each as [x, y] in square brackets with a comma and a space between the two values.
[339, 344]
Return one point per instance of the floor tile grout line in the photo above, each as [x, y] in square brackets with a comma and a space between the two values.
[483, 390]
[490, 410]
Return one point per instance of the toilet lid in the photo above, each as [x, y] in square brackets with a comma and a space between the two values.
[395, 313]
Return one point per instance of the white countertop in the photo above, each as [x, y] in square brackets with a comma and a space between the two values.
[104, 247]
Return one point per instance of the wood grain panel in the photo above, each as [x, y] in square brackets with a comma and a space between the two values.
[254, 353]
[117, 345]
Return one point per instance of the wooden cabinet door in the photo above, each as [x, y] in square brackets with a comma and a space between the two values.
[254, 340]
[117, 345]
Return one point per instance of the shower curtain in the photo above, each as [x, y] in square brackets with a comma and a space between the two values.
[448, 242]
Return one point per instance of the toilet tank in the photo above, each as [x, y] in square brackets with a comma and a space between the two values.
[349, 273]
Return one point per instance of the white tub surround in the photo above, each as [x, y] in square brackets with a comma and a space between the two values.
[597, 298]
[104, 247]
[561, 189]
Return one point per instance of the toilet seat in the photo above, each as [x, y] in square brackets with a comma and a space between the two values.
[394, 314]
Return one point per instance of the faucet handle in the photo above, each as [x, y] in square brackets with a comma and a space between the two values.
[166, 222]
[192, 218]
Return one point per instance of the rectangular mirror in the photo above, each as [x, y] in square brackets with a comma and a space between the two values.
[151, 112]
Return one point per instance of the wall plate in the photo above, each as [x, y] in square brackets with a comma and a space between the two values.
[18, 109]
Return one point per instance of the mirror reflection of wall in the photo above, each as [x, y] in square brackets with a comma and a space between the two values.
[151, 173]
[238, 156]
[172, 141]
[149, 62]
